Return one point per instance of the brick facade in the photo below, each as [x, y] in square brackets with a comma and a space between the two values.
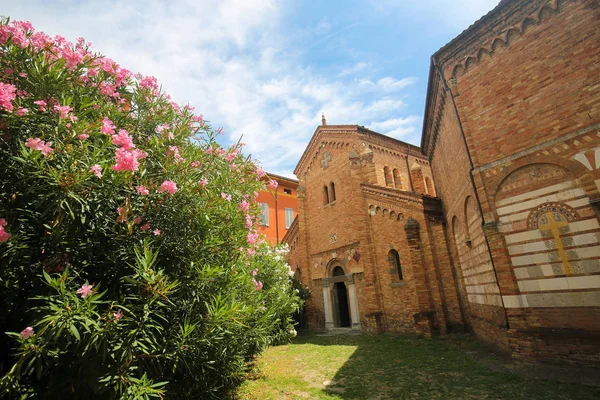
[381, 208]
[495, 219]
[513, 114]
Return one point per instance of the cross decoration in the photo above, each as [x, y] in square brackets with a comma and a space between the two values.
[325, 160]
[552, 222]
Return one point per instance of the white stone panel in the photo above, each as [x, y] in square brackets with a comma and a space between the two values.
[493, 300]
[528, 204]
[584, 282]
[515, 301]
[535, 193]
[523, 236]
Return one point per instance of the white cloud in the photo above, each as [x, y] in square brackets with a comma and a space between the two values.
[230, 60]
[387, 84]
[355, 69]
[397, 128]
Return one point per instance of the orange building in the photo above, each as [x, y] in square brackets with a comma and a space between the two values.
[279, 207]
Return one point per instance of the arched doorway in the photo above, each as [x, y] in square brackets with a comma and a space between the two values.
[340, 298]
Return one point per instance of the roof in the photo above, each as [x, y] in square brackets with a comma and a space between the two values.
[282, 178]
[322, 129]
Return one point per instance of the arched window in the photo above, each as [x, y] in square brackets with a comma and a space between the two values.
[387, 175]
[397, 179]
[332, 186]
[338, 271]
[325, 195]
[394, 259]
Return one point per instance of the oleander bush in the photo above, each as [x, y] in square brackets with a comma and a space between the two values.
[130, 264]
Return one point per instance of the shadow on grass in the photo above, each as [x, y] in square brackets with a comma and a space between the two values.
[389, 366]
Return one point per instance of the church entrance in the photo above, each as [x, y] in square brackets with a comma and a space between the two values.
[339, 300]
[343, 312]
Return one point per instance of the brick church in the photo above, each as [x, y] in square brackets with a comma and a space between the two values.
[492, 225]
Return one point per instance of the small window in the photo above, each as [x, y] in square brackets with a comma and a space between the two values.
[264, 214]
[394, 259]
[387, 175]
[397, 179]
[289, 217]
[287, 191]
[325, 195]
[332, 186]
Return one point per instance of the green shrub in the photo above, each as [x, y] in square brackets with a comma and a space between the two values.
[129, 256]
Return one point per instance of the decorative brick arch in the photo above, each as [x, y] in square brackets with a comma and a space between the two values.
[576, 169]
[334, 262]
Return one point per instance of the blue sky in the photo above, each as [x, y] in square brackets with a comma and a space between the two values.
[266, 69]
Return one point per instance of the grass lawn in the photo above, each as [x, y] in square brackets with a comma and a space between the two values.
[398, 367]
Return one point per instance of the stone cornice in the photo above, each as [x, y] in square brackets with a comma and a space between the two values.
[395, 195]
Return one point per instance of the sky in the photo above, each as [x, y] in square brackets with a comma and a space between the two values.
[265, 70]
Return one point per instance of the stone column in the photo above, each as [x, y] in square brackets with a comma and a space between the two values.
[353, 302]
[327, 303]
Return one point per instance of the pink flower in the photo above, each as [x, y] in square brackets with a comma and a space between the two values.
[137, 220]
[254, 272]
[39, 144]
[162, 127]
[149, 82]
[96, 169]
[251, 252]
[41, 104]
[259, 173]
[244, 205]
[26, 333]
[251, 237]
[204, 181]
[85, 290]
[248, 221]
[127, 160]
[123, 139]
[4, 236]
[62, 110]
[273, 184]
[174, 151]
[83, 136]
[257, 284]
[108, 128]
[226, 196]
[145, 227]
[168, 186]
[195, 164]
[156, 232]
[142, 190]
[118, 315]
[23, 74]
[7, 95]
[21, 111]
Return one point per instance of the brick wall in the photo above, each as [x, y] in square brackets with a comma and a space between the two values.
[523, 83]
